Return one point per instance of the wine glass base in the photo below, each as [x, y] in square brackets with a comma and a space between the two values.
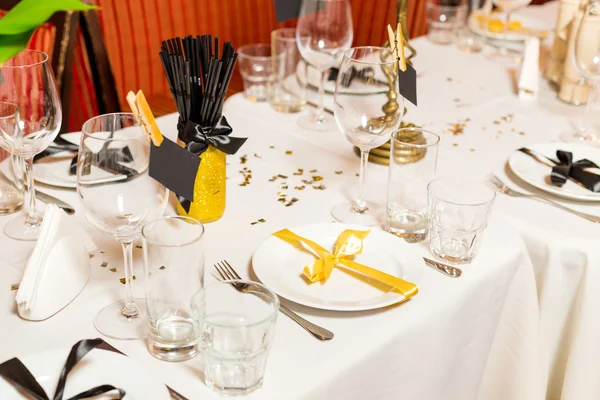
[507, 57]
[18, 229]
[344, 212]
[576, 137]
[314, 123]
[110, 322]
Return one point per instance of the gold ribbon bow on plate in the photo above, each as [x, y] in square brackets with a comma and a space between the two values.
[348, 244]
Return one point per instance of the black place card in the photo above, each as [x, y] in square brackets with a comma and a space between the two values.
[287, 9]
[407, 83]
[174, 167]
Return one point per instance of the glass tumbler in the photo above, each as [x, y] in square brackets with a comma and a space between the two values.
[413, 160]
[174, 266]
[443, 18]
[258, 66]
[459, 212]
[288, 94]
[236, 330]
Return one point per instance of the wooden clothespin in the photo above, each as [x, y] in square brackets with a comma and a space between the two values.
[397, 45]
[143, 114]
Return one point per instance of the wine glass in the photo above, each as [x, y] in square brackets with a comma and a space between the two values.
[323, 33]
[369, 119]
[504, 54]
[586, 58]
[119, 196]
[27, 81]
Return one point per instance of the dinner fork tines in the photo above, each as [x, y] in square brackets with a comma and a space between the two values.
[228, 273]
[500, 186]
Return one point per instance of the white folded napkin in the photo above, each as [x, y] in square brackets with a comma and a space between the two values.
[529, 80]
[57, 270]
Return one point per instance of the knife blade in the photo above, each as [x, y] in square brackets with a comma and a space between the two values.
[46, 198]
[174, 394]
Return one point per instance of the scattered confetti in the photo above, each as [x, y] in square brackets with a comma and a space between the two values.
[496, 122]
[500, 132]
[471, 149]
[307, 181]
[273, 179]
[299, 172]
[113, 270]
[357, 174]
[282, 199]
[495, 137]
[257, 156]
[317, 178]
[292, 201]
[137, 246]
[512, 129]
[281, 194]
[299, 187]
[243, 159]
[507, 118]
[123, 280]
[339, 172]
[262, 220]
[271, 147]
[483, 128]
[14, 286]
[282, 176]
[455, 144]
[283, 186]
[320, 187]
[457, 100]
[216, 192]
[162, 268]
[456, 128]
[104, 264]
[247, 174]
[312, 171]
[101, 252]
[449, 79]
[522, 133]
[288, 152]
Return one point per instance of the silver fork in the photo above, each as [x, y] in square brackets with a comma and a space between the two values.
[227, 273]
[501, 187]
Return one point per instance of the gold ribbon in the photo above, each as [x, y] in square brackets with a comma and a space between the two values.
[348, 244]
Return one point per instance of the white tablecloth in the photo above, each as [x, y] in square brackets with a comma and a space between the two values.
[477, 337]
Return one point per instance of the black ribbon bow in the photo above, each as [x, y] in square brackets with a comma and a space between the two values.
[366, 75]
[566, 168]
[18, 374]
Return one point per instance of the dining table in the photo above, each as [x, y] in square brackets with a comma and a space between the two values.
[520, 323]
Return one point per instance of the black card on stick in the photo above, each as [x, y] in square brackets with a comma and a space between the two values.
[407, 83]
[174, 167]
[287, 9]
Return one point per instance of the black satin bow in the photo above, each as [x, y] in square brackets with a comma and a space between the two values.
[18, 374]
[566, 168]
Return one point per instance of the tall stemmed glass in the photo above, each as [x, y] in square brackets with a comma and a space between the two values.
[323, 33]
[369, 119]
[586, 58]
[119, 196]
[508, 7]
[27, 81]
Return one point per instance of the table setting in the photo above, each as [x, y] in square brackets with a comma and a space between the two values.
[434, 248]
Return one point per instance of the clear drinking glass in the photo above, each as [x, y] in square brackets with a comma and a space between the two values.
[27, 81]
[504, 54]
[369, 119]
[413, 159]
[586, 58]
[443, 19]
[11, 188]
[236, 330]
[257, 66]
[174, 266]
[288, 94]
[119, 197]
[459, 211]
[323, 33]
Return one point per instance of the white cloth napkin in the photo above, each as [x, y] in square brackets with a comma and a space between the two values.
[529, 80]
[58, 268]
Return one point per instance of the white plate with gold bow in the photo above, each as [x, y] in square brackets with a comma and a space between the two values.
[279, 265]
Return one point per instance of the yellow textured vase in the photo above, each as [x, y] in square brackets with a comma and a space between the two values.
[209, 188]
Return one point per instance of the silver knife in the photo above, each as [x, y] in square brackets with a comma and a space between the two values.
[447, 270]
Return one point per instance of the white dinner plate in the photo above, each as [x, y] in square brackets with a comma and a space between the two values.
[279, 266]
[538, 175]
[518, 36]
[98, 367]
[357, 87]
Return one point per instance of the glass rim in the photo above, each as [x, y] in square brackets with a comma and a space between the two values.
[261, 58]
[463, 180]
[446, 7]
[91, 134]
[347, 56]
[42, 61]
[16, 113]
[416, 145]
[272, 294]
[283, 38]
[172, 217]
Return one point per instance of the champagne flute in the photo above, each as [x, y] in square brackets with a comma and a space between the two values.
[586, 58]
[119, 196]
[323, 33]
[27, 81]
[369, 119]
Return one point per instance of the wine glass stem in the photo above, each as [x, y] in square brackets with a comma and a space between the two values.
[503, 47]
[31, 217]
[588, 110]
[360, 205]
[130, 310]
[321, 104]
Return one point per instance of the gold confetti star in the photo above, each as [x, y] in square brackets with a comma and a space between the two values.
[339, 172]
[123, 280]
[455, 144]
[282, 176]
[288, 152]
[522, 133]
[449, 79]
[162, 268]
[320, 187]
[271, 147]
[307, 181]
[299, 172]
[104, 264]
[113, 270]
[312, 171]
[243, 159]
[257, 156]
[299, 187]
[317, 178]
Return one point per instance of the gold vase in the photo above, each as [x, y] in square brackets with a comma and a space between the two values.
[209, 188]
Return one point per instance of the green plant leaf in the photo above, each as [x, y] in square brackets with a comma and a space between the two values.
[11, 45]
[29, 14]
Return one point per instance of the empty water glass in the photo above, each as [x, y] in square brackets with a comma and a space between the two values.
[443, 18]
[413, 159]
[236, 330]
[288, 94]
[174, 266]
[459, 211]
[258, 67]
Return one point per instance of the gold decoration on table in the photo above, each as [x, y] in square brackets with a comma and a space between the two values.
[348, 244]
